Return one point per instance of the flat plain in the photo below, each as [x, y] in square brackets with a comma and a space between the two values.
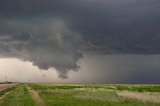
[82, 95]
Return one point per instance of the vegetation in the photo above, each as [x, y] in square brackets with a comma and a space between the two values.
[81, 95]
[139, 88]
[98, 95]
[18, 96]
[5, 91]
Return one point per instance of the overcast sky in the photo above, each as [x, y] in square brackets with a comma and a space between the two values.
[80, 41]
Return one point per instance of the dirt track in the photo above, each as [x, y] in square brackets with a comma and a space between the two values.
[6, 86]
[35, 96]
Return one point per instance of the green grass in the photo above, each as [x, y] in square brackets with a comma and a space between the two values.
[139, 88]
[92, 95]
[5, 91]
[81, 95]
[19, 96]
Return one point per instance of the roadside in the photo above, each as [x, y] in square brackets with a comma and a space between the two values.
[5, 89]
[6, 86]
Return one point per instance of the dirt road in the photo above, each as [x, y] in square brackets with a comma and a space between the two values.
[6, 86]
[35, 96]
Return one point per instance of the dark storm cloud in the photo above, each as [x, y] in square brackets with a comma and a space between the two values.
[47, 45]
[108, 26]
[54, 33]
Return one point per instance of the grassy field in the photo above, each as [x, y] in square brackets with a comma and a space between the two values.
[18, 96]
[81, 95]
[99, 95]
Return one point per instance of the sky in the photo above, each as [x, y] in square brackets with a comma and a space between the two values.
[80, 41]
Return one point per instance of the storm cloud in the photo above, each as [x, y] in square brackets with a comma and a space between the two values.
[53, 47]
[56, 33]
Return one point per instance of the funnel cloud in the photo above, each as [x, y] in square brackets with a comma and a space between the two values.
[55, 34]
[54, 47]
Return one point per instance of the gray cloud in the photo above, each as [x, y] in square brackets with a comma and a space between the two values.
[56, 46]
[119, 69]
[54, 33]
[108, 26]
